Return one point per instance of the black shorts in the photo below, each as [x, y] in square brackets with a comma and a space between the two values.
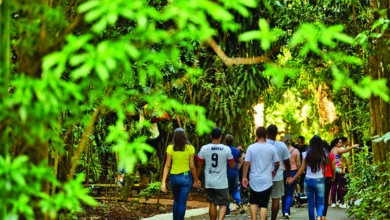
[260, 198]
[218, 196]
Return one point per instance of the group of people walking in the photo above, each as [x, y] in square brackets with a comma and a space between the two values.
[274, 168]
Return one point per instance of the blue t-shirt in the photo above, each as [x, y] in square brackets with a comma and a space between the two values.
[236, 155]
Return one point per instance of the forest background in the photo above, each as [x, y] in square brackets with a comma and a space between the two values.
[77, 76]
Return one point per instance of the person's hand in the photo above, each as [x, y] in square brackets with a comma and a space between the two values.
[333, 178]
[245, 182]
[273, 174]
[355, 146]
[197, 184]
[290, 181]
[288, 178]
[163, 188]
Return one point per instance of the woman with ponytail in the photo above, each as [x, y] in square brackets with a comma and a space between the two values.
[315, 162]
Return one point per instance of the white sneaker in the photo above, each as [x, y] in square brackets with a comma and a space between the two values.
[286, 215]
[333, 205]
[343, 206]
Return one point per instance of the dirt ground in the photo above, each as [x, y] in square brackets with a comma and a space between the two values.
[136, 208]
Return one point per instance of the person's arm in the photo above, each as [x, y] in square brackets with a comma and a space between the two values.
[348, 149]
[231, 164]
[240, 162]
[166, 170]
[298, 161]
[244, 174]
[199, 167]
[277, 165]
[299, 172]
[193, 170]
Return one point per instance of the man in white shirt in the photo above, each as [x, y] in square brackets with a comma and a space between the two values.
[284, 155]
[216, 156]
[261, 157]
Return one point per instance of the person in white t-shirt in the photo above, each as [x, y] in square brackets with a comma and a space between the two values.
[216, 157]
[260, 156]
[314, 159]
[284, 156]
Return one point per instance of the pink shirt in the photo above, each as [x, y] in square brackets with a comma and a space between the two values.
[293, 158]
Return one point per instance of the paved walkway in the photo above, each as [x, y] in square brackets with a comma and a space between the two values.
[296, 214]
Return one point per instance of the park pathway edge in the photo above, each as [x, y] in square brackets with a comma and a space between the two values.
[189, 213]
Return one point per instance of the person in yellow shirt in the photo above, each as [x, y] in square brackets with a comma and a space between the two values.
[181, 153]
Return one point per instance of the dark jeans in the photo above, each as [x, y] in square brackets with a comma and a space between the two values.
[328, 186]
[315, 188]
[302, 181]
[181, 185]
[288, 192]
[338, 186]
[233, 190]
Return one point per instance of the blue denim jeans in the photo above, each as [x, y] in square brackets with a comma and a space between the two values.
[315, 188]
[288, 192]
[181, 185]
[233, 190]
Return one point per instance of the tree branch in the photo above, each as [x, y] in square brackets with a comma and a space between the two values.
[235, 61]
[68, 29]
[81, 145]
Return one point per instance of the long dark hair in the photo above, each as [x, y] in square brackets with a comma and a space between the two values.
[179, 140]
[326, 145]
[316, 154]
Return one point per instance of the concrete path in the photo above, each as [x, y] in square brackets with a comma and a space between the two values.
[190, 204]
[296, 214]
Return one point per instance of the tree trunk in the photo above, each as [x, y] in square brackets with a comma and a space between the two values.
[4, 69]
[70, 152]
[379, 109]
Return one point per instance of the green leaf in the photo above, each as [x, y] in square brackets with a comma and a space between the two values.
[132, 51]
[249, 35]
[23, 114]
[99, 26]
[102, 72]
[11, 217]
[86, 6]
[18, 178]
[82, 71]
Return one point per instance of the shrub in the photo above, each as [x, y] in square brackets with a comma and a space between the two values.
[369, 187]
[151, 191]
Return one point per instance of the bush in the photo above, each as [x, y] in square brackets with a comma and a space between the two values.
[369, 187]
[151, 191]
[21, 184]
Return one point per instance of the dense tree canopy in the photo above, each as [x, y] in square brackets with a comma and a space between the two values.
[77, 76]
